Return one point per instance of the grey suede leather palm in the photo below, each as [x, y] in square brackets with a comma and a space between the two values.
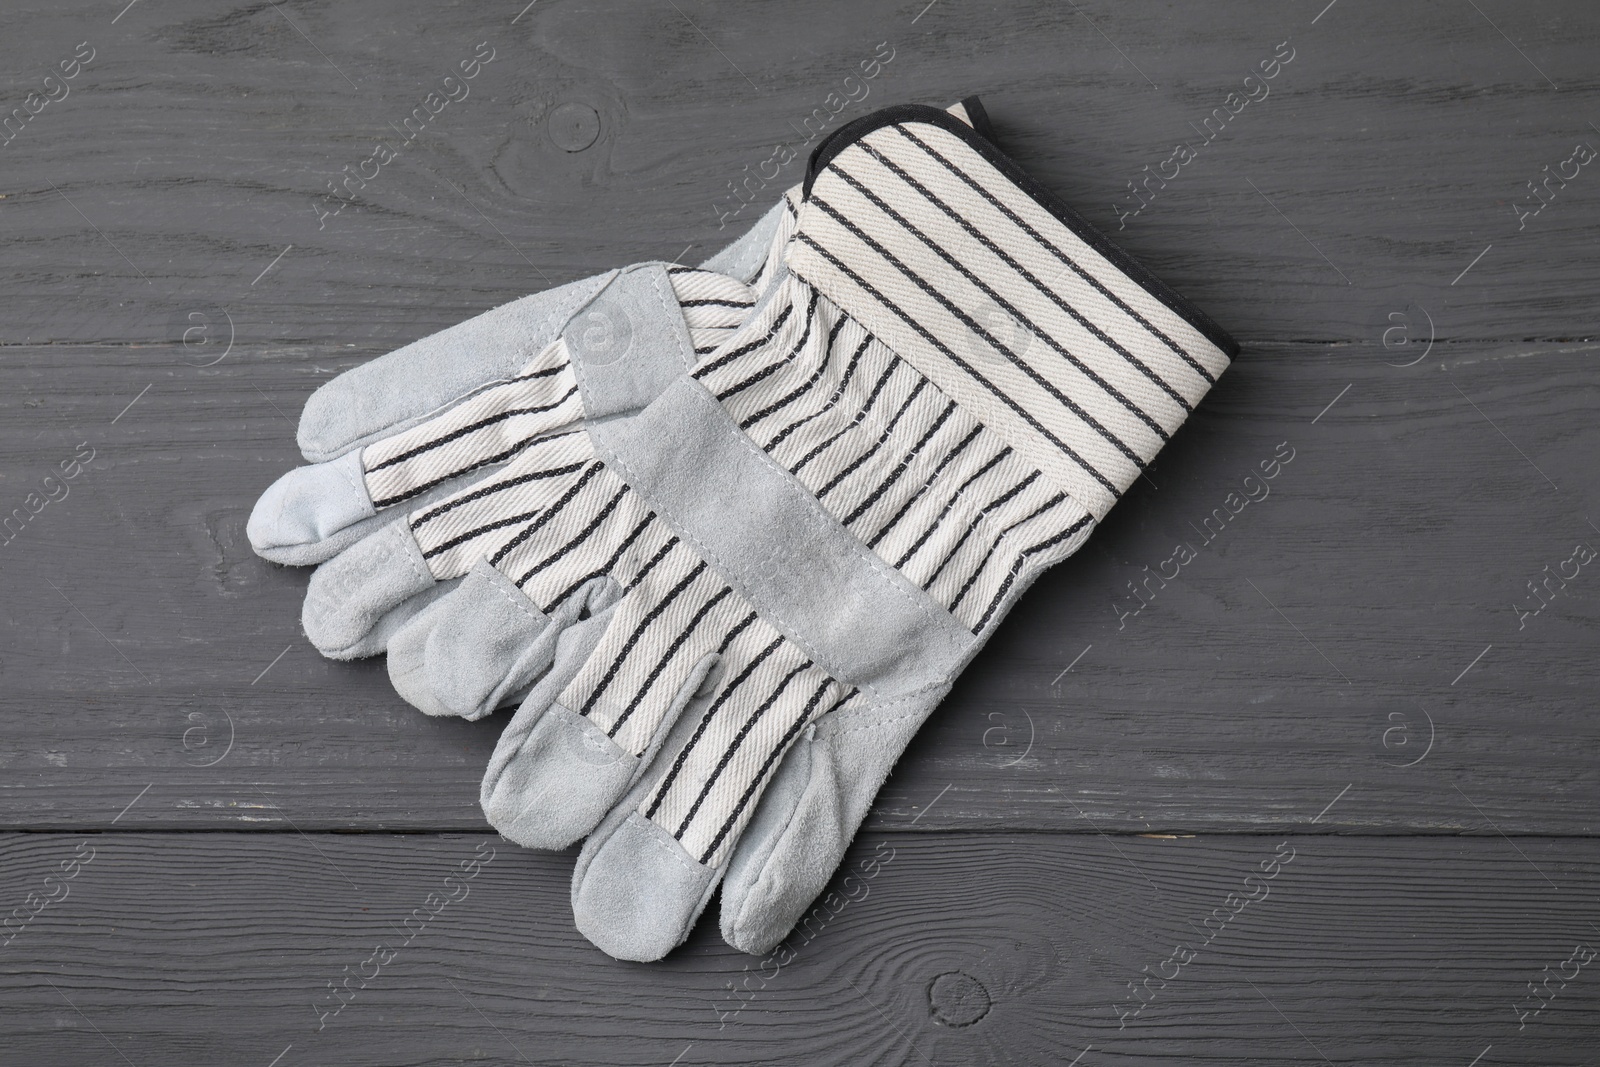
[765, 534]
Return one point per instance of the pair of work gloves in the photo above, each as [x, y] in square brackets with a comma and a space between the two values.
[726, 535]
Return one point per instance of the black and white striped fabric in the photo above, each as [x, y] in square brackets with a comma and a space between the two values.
[960, 377]
[1007, 301]
[581, 524]
[930, 489]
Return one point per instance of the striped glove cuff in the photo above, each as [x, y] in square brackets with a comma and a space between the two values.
[919, 228]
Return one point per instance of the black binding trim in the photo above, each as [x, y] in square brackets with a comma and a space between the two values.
[980, 137]
[979, 116]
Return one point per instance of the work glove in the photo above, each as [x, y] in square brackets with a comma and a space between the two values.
[777, 567]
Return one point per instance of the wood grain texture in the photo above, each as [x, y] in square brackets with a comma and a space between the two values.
[1384, 157]
[1351, 659]
[1305, 647]
[218, 948]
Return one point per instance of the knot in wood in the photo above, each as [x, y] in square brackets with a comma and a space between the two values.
[574, 127]
[957, 999]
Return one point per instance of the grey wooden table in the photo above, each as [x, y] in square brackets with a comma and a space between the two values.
[1373, 686]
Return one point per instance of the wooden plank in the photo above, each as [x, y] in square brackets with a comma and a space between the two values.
[1304, 649]
[942, 948]
[1354, 652]
[182, 172]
